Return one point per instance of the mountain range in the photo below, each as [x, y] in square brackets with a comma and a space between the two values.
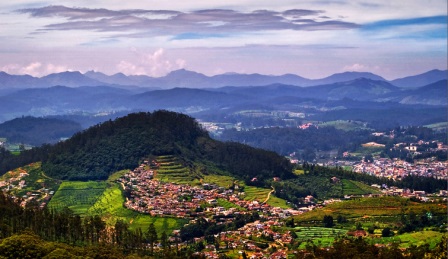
[188, 79]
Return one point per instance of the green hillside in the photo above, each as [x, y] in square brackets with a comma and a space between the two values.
[99, 151]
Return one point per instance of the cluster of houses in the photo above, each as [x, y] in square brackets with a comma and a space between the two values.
[151, 196]
[397, 169]
[16, 182]
[242, 240]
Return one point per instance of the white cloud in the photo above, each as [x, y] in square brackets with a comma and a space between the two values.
[356, 67]
[36, 69]
[154, 64]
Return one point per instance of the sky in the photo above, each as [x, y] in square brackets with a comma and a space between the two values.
[310, 38]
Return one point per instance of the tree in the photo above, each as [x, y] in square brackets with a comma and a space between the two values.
[328, 221]
[387, 232]
[164, 240]
[151, 236]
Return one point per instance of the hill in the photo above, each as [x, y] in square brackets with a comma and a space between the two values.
[121, 144]
[37, 131]
[432, 94]
[421, 79]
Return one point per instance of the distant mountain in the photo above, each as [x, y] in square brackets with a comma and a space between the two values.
[116, 79]
[432, 94]
[189, 79]
[357, 89]
[61, 100]
[421, 79]
[70, 79]
[347, 76]
[17, 81]
[178, 98]
[258, 80]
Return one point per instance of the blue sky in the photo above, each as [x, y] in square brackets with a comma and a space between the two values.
[310, 38]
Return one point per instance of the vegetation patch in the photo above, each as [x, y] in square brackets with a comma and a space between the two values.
[77, 196]
[375, 209]
[432, 238]
[110, 207]
[320, 236]
[350, 187]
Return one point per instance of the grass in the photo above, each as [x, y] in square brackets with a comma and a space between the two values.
[350, 187]
[260, 194]
[220, 180]
[299, 172]
[344, 125]
[435, 126]
[227, 205]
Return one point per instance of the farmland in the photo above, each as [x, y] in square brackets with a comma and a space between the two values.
[106, 200]
[379, 210]
[318, 235]
[77, 196]
[172, 170]
[350, 187]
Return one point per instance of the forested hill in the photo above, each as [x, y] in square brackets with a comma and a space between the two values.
[37, 131]
[97, 152]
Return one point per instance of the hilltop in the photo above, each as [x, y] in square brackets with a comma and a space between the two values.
[99, 151]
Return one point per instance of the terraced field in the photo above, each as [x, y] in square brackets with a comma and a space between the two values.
[318, 235]
[171, 170]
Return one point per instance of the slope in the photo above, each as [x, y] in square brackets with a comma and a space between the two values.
[121, 144]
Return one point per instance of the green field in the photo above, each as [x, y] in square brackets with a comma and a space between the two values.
[350, 187]
[220, 180]
[318, 235]
[77, 196]
[344, 125]
[105, 199]
[416, 238]
[379, 209]
[110, 206]
[438, 126]
[260, 194]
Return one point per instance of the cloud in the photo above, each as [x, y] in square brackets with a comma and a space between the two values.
[34, 69]
[360, 68]
[195, 24]
[154, 64]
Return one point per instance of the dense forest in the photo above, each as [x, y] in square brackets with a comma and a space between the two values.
[95, 153]
[37, 131]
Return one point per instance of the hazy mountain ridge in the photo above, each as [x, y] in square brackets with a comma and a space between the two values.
[189, 79]
[58, 100]
[421, 79]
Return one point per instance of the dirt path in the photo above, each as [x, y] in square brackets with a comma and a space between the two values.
[269, 195]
